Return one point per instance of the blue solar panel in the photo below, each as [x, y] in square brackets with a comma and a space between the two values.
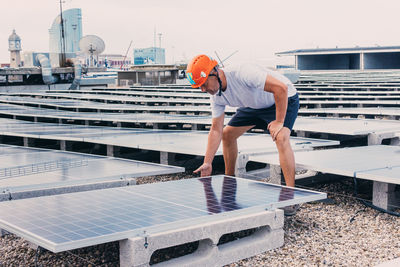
[75, 220]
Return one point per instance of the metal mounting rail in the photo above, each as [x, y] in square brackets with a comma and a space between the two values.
[42, 167]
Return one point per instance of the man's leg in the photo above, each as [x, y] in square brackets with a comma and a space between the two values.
[286, 155]
[229, 146]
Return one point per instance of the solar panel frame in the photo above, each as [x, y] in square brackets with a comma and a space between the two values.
[387, 174]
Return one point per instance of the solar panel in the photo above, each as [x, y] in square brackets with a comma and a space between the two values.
[94, 106]
[351, 161]
[194, 142]
[374, 111]
[345, 126]
[121, 99]
[75, 220]
[175, 141]
[39, 169]
[198, 94]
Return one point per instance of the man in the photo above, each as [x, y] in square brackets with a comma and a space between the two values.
[265, 99]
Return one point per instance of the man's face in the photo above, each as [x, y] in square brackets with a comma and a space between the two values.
[211, 85]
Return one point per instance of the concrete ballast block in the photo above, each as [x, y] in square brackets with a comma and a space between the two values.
[269, 234]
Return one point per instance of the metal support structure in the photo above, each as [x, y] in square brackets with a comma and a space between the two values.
[42, 167]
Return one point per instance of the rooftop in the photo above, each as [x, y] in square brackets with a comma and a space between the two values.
[336, 50]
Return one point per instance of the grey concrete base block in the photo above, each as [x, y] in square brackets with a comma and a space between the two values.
[395, 141]
[259, 174]
[376, 138]
[137, 251]
[275, 173]
[110, 150]
[240, 166]
[384, 195]
[167, 158]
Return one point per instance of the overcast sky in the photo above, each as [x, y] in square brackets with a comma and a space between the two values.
[257, 28]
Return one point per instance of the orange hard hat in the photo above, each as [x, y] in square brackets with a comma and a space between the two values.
[198, 70]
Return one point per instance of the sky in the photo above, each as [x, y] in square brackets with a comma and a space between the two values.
[257, 29]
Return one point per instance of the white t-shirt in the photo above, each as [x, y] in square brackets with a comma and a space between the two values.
[245, 88]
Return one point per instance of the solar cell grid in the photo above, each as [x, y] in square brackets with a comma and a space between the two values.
[81, 219]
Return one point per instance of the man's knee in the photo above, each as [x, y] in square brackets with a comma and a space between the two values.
[283, 137]
[228, 135]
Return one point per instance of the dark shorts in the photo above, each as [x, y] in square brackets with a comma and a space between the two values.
[262, 117]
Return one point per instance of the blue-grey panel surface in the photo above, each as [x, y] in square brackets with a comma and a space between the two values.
[39, 169]
[388, 174]
[69, 221]
[175, 141]
[361, 162]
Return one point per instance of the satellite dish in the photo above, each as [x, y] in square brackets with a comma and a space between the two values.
[92, 46]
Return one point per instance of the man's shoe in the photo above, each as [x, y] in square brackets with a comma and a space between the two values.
[291, 210]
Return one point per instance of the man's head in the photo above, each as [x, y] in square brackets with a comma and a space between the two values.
[202, 72]
[198, 70]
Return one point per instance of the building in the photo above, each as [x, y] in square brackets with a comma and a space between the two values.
[151, 55]
[14, 46]
[72, 19]
[148, 75]
[357, 58]
[114, 61]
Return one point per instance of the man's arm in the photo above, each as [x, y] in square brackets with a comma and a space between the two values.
[214, 140]
[280, 91]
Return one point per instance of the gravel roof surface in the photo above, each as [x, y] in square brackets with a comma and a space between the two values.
[341, 233]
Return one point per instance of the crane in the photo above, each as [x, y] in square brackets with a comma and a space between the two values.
[123, 61]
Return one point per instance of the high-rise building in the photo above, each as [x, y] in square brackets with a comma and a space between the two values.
[72, 20]
[14, 46]
[151, 55]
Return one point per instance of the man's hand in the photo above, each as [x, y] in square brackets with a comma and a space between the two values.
[274, 127]
[205, 169]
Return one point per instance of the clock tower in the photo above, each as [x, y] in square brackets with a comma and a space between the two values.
[14, 46]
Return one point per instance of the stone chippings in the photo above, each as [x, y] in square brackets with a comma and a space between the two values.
[344, 233]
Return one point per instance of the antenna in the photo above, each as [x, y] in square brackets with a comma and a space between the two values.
[159, 37]
[230, 55]
[154, 46]
[154, 37]
[62, 41]
[220, 62]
